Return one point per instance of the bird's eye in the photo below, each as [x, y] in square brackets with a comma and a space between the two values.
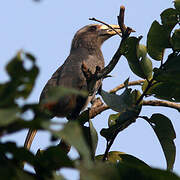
[92, 28]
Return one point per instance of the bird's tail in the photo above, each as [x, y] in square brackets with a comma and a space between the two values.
[29, 138]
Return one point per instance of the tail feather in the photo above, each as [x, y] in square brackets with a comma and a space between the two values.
[29, 138]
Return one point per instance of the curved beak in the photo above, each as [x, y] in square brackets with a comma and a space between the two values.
[110, 31]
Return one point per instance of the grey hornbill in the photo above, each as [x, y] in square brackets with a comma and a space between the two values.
[85, 48]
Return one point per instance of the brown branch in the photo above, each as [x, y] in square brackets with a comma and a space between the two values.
[145, 91]
[118, 54]
[121, 86]
[121, 20]
[162, 103]
[98, 109]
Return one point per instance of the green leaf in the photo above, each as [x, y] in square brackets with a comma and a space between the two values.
[176, 40]
[9, 166]
[83, 117]
[177, 5]
[128, 172]
[55, 93]
[116, 102]
[99, 171]
[57, 177]
[126, 105]
[123, 121]
[91, 137]
[73, 135]
[165, 132]
[52, 158]
[169, 18]
[167, 91]
[112, 120]
[124, 171]
[21, 81]
[18, 155]
[94, 137]
[12, 172]
[135, 96]
[170, 71]
[117, 156]
[136, 53]
[8, 116]
[157, 40]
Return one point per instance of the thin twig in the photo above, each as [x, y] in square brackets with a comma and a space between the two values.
[121, 20]
[111, 64]
[102, 22]
[117, 55]
[132, 83]
[145, 91]
[108, 146]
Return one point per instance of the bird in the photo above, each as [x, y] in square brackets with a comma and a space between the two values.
[85, 48]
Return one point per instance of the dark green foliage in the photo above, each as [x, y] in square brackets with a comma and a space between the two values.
[158, 38]
[165, 132]
[161, 82]
[21, 81]
[136, 54]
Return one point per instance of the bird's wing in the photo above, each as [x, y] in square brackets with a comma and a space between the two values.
[52, 82]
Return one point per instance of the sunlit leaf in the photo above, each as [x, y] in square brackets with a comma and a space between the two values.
[112, 120]
[116, 157]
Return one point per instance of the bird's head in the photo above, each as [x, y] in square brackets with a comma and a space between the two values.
[93, 35]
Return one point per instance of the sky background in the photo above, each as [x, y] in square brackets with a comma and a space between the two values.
[46, 29]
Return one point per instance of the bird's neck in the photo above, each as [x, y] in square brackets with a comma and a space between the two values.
[92, 45]
[88, 48]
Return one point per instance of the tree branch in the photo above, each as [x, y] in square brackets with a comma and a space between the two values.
[98, 109]
[162, 103]
[132, 83]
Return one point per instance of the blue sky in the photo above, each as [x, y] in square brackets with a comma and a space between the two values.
[46, 29]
